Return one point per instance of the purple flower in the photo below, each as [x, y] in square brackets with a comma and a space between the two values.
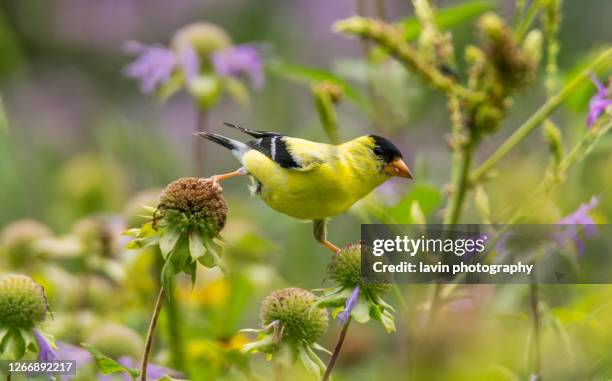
[64, 351]
[599, 102]
[579, 218]
[351, 303]
[153, 66]
[46, 352]
[190, 62]
[240, 59]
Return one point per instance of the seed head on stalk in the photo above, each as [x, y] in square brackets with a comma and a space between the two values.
[352, 295]
[23, 307]
[292, 323]
[185, 225]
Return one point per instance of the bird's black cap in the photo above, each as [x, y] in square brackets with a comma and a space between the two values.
[385, 149]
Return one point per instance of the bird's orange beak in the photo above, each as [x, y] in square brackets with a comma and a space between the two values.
[398, 168]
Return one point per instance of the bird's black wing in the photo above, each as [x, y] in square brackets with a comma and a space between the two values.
[253, 133]
[275, 147]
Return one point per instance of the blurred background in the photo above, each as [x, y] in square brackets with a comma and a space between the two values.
[79, 141]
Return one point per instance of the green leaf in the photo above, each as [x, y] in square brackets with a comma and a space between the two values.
[168, 378]
[167, 273]
[107, 365]
[448, 17]
[171, 86]
[361, 312]
[18, 344]
[428, 198]
[196, 246]
[168, 241]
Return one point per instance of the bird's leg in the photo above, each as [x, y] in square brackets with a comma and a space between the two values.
[239, 172]
[319, 230]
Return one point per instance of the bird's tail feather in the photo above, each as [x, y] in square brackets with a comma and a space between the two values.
[238, 148]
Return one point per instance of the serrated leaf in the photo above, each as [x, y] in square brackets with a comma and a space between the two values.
[107, 365]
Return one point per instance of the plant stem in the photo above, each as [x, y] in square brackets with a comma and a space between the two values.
[198, 147]
[535, 314]
[332, 360]
[460, 186]
[145, 357]
[525, 23]
[601, 62]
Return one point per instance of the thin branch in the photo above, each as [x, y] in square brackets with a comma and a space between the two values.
[145, 357]
[334, 357]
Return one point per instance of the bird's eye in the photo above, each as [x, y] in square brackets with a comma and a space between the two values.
[378, 151]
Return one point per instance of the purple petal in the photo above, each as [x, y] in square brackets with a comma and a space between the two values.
[240, 59]
[579, 217]
[190, 62]
[152, 67]
[351, 302]
[601, 88]
[598, 103]
[45, 351]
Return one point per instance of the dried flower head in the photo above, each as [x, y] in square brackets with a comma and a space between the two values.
[292, 322]
[190, 215]
[353, 296]
[23, 304]
[193, 204]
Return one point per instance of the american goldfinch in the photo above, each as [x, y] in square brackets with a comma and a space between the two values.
[308, 180]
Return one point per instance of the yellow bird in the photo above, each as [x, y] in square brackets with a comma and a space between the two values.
[312, 181]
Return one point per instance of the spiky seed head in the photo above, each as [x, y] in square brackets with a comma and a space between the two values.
[295, 310]
[194, 203]
[345, 270]
[116, 340]
[23, 304]
[204, 37]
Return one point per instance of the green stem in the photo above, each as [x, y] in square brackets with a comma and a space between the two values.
[576, 154]
[145, 357]
[535, 315]
[525, 23]
[391, 39]
[460, 186]
[601, 62]
[334, 357]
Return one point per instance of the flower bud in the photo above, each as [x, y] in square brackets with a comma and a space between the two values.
[23, 303]
[295, 310]
[532, 46]
[18, 238]
[204, 37]
[116, 340]
[194, 203]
